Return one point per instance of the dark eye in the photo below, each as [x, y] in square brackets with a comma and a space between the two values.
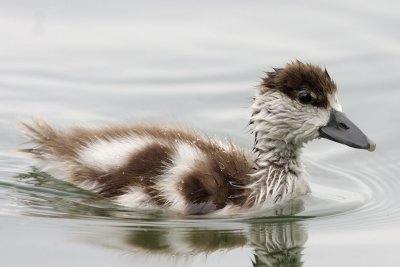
[305, 97]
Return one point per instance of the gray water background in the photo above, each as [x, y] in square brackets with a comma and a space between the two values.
[191, 62]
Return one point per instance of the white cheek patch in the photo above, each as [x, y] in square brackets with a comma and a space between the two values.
[334, 101]
[320, 118]
[290, 120]
[106, 155]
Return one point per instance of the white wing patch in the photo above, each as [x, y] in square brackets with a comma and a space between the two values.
[170, 183]
[135, 198]
[90, 185]
[104, 155]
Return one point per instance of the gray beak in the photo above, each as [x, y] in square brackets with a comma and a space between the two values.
[340, 129]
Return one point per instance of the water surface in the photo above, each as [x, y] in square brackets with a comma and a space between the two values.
[197, 63]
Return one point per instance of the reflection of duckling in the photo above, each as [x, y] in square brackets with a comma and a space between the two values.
[279, 244]
[177, 169]
[168, 241]
[267, 244]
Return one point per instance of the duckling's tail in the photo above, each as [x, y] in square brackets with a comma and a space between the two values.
[41, 134]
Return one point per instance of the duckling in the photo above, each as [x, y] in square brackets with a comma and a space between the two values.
[177, 169]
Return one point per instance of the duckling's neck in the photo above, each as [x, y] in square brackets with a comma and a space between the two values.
[278, 174]
[273, 153]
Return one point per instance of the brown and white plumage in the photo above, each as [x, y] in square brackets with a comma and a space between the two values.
[181, 170]
[145, 166]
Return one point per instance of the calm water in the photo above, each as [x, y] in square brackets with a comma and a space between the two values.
[94, 62]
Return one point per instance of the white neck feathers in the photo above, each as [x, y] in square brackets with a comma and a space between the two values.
[279, 171]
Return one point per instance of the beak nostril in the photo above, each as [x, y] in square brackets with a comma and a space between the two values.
[343, 126]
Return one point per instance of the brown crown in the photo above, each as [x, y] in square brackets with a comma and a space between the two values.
[297, 76]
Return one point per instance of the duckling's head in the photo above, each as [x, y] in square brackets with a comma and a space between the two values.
[299, 103]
